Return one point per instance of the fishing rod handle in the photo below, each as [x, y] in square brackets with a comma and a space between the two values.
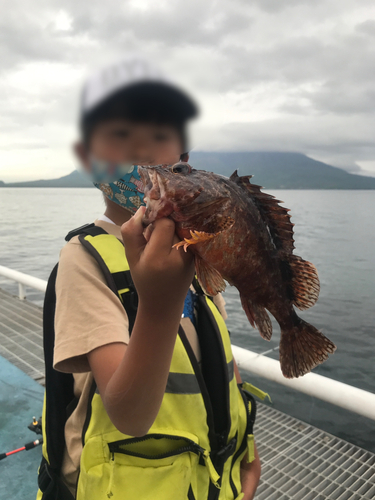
[32, 444]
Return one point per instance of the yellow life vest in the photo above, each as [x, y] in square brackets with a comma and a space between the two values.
[200, 435]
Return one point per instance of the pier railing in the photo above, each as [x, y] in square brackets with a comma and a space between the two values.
[324, 388]
[23, 280]
[337, 393]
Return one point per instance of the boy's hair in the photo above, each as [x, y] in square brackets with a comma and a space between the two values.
[143, 102]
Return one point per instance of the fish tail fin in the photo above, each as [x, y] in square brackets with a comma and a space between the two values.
[303, 347]
[258, 317]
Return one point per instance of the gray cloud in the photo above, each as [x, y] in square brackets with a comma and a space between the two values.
[366, 28]
[275, 6]
[308, 64]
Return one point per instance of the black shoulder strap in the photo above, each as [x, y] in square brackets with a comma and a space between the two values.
[251, 408]
[57, 398]
[80, 230]
[215, 374]
[59, 395]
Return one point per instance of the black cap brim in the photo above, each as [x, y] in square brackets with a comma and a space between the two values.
[144, 101]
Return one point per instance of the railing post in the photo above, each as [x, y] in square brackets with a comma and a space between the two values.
[23, 280]
[21, 291]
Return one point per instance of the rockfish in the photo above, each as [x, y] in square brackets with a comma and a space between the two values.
[239, 234]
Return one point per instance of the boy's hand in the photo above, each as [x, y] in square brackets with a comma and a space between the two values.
[161, 274]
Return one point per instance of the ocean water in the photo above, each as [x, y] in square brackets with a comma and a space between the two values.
[333, 229]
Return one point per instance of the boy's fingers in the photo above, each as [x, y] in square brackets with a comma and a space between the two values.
[148, 231]
[132, 235]
[152, 242]
[162, 236]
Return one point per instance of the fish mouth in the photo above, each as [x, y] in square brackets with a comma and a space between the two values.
[155, 194]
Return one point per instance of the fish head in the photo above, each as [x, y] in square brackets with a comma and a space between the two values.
[178, 191]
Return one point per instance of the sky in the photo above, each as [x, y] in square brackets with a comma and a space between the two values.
[269, 75]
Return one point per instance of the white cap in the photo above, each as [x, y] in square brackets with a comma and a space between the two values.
[127, 73]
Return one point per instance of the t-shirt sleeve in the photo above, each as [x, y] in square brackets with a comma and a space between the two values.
[88, 314]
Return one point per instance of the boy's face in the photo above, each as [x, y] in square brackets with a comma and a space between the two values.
[124, 141]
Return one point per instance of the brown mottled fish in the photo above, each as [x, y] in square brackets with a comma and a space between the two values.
[239, 234]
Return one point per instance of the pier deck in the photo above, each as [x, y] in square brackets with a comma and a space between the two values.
[21, 335]
[299, 461]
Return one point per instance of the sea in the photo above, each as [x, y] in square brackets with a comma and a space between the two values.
[334, 229]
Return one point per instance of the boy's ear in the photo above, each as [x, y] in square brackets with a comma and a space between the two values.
[81, 153]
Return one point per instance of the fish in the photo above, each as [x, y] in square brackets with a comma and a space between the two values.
[243, 236]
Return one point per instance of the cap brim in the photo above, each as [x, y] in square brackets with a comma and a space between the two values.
[164, 98]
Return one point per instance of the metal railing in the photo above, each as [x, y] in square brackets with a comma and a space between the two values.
[23, 280]
[334, 392]
[324, 388]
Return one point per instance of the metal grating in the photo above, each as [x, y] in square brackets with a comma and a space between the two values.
[299, 461]
[21, 335]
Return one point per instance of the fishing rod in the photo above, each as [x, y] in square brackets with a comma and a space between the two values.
[35, 426]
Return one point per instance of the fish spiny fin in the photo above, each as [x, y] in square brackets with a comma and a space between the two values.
[209, 278]
[275, 216]
[305, 282]
[302, 348]
[258, 317]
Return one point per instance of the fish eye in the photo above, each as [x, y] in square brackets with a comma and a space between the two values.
[181, 168]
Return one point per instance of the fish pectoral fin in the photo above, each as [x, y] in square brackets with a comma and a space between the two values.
[196, 237]
[209, 278]
[305, 282]
[303, 347]
[258, 317]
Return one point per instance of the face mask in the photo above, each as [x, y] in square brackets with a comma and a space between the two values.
[106, 171]
[119, 182]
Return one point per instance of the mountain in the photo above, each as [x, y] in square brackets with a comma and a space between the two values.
[74, 179]
[273, 170]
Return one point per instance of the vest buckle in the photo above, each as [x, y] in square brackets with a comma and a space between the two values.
[46, 479]
[224, 453]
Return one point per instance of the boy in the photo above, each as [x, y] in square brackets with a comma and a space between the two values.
[131, 115]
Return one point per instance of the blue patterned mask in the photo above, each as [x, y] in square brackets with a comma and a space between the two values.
[107, 171]
[127, 191]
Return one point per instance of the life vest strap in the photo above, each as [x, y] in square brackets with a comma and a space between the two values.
[250, 448]
[246, 386]
[121, 282]
[51, 485]
[80, 230]
[130, 303]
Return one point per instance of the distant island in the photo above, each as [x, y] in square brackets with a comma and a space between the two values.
[273, 170]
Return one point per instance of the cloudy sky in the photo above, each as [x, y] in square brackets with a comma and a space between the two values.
[276, 75]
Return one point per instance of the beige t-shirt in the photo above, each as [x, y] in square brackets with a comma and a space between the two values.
[89, 315]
